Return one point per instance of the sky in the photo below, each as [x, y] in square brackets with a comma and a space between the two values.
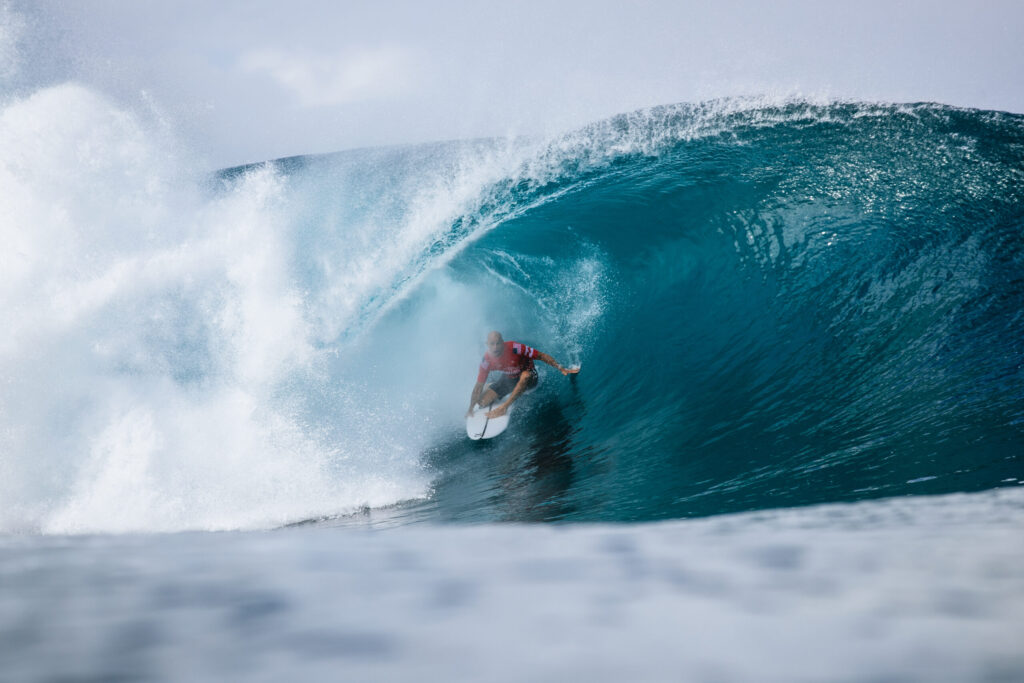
[239, 82]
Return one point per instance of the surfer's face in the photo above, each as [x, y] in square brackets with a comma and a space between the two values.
[495, 345]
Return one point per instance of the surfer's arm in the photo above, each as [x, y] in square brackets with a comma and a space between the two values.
[521, 385]
[478, 389]
[554, 363]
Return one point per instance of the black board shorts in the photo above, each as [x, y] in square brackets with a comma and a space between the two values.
[507, 383]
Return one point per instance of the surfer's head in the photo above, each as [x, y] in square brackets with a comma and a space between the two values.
[495, 344]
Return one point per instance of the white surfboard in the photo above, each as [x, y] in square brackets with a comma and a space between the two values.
[479, 426]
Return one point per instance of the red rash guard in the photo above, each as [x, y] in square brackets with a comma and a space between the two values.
[515, 359]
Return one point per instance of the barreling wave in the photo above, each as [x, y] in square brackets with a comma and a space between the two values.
[773, 304]
[800, 303]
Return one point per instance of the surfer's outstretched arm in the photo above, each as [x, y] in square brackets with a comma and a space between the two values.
[554, 363]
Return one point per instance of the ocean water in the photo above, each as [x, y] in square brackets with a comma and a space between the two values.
[231, 435]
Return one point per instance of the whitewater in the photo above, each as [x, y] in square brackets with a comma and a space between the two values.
[231, 401]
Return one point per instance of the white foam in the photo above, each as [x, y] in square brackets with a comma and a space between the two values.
[151, 329]
[166, 366]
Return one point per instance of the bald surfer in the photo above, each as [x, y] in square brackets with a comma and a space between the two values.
[515, 361]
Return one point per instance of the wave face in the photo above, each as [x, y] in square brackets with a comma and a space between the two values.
[773, 304]
[797, 304]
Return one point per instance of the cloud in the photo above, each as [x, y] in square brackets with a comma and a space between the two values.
[325, 80]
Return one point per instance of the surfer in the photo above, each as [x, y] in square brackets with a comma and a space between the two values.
[515, 361]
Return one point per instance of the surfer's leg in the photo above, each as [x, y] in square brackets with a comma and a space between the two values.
[488, 397]
[496, 390]
[526, 381]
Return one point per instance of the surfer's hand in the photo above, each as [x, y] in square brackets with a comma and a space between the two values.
[569, 371]
[497, 412]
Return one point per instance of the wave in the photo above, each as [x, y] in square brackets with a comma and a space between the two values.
[774, 303]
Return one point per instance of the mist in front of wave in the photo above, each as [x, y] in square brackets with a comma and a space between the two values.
[157, 340]
[236, 350]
